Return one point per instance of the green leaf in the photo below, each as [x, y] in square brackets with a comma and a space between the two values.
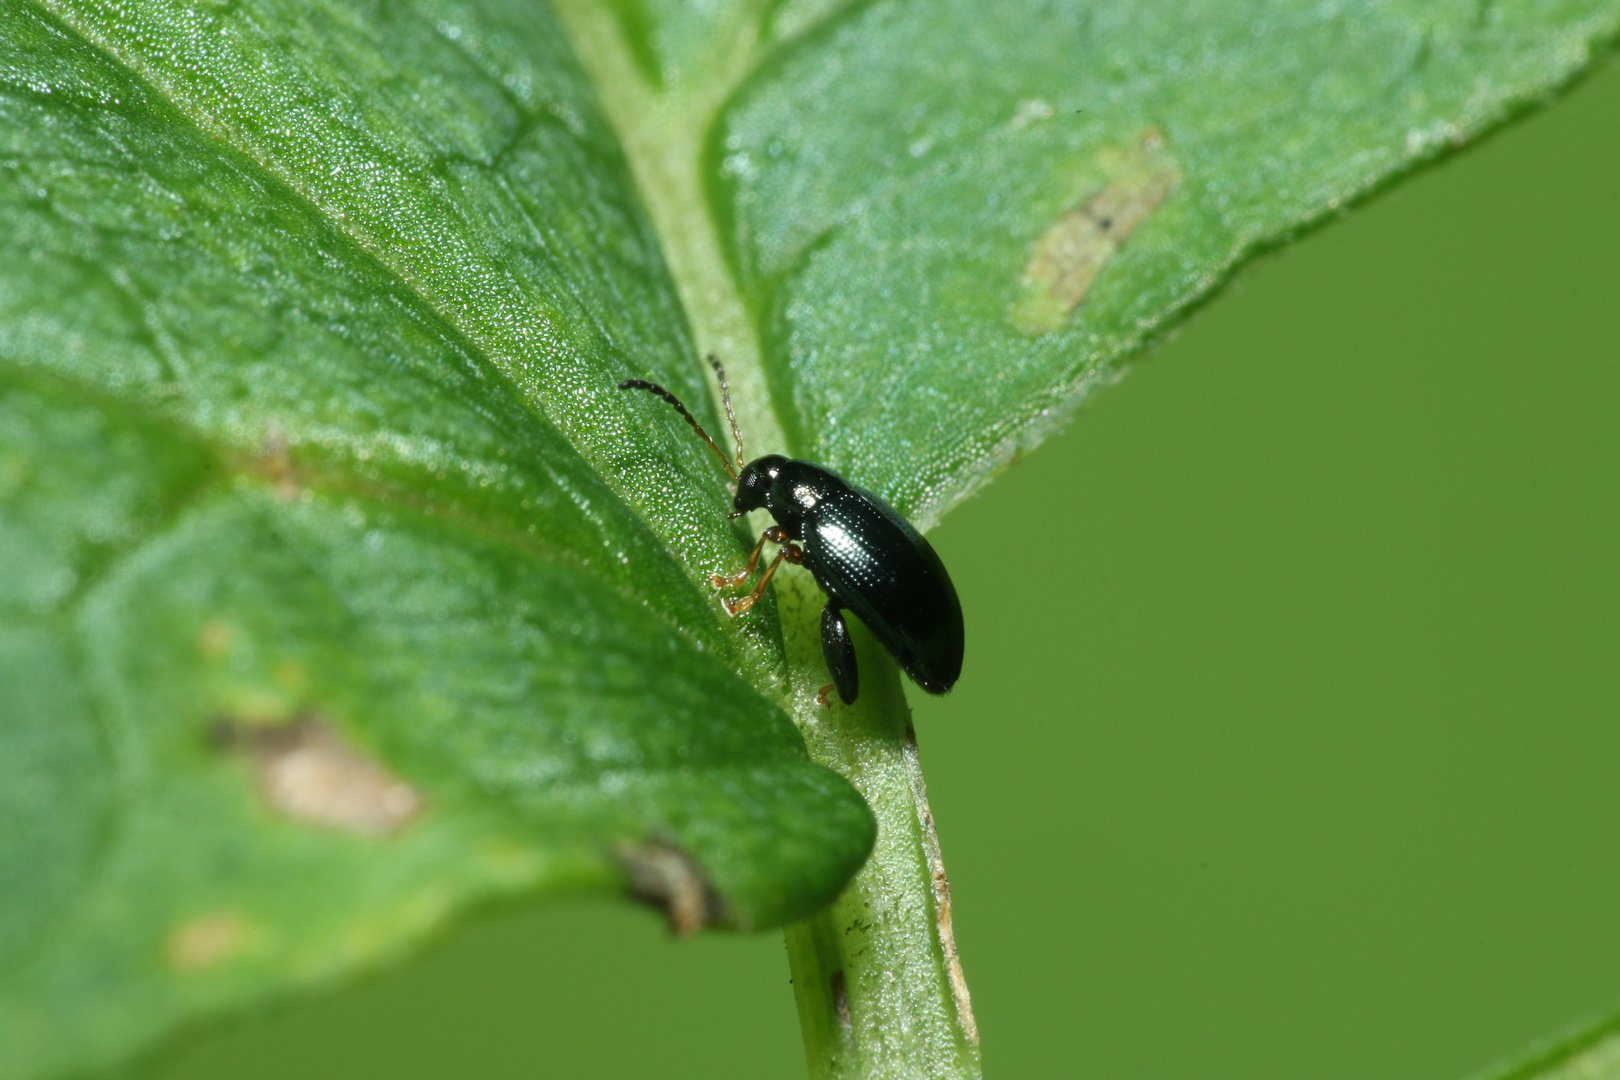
[937, 226]
[339, 586]
[341, 590]
[954, 218]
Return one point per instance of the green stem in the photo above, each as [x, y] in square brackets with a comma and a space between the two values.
[878, 981]
[879, 986]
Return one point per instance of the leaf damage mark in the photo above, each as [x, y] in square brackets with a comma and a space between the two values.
[308, 772]
[1066, 258]
[205, 941]
[215, 639]
[1030, 111]
[275, 464]
[941, 885]
[840, 998]
[668, 878]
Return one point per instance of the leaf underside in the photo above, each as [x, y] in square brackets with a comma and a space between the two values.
[340, 589]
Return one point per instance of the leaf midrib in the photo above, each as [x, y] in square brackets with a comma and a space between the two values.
[666, 135]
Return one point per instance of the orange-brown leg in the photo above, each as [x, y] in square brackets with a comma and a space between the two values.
[822, 696]
[791, 553]
[775, 535]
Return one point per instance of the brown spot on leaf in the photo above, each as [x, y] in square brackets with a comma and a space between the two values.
[669, 878]
[276, 463]
[202, 942]
[1067, 257]
[214, 640]
[307, 771]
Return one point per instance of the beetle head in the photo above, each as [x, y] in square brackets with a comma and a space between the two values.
[755, 481]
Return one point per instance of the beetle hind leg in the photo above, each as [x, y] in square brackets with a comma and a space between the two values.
[839, 652]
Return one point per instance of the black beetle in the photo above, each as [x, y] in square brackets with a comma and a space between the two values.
[864, 555]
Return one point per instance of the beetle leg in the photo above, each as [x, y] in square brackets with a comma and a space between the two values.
[839, 652]
[775, 535]
[790, 552]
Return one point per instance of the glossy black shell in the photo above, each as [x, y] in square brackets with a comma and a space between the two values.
[869, 560]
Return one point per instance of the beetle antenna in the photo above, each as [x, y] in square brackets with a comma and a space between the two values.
[654, 388]
[725, 395]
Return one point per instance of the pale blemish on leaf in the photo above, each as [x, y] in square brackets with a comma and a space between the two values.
[275, 461]
[1067, 257]
[1029, 111]
[292, 676]
[205, 941]
[510, 861]
[669, 878]
[214, 640]
[308, 772]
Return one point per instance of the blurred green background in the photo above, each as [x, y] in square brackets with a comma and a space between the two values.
[1289, 739]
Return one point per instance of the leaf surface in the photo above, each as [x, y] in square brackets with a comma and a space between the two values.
[340, 589]
[954, 219]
